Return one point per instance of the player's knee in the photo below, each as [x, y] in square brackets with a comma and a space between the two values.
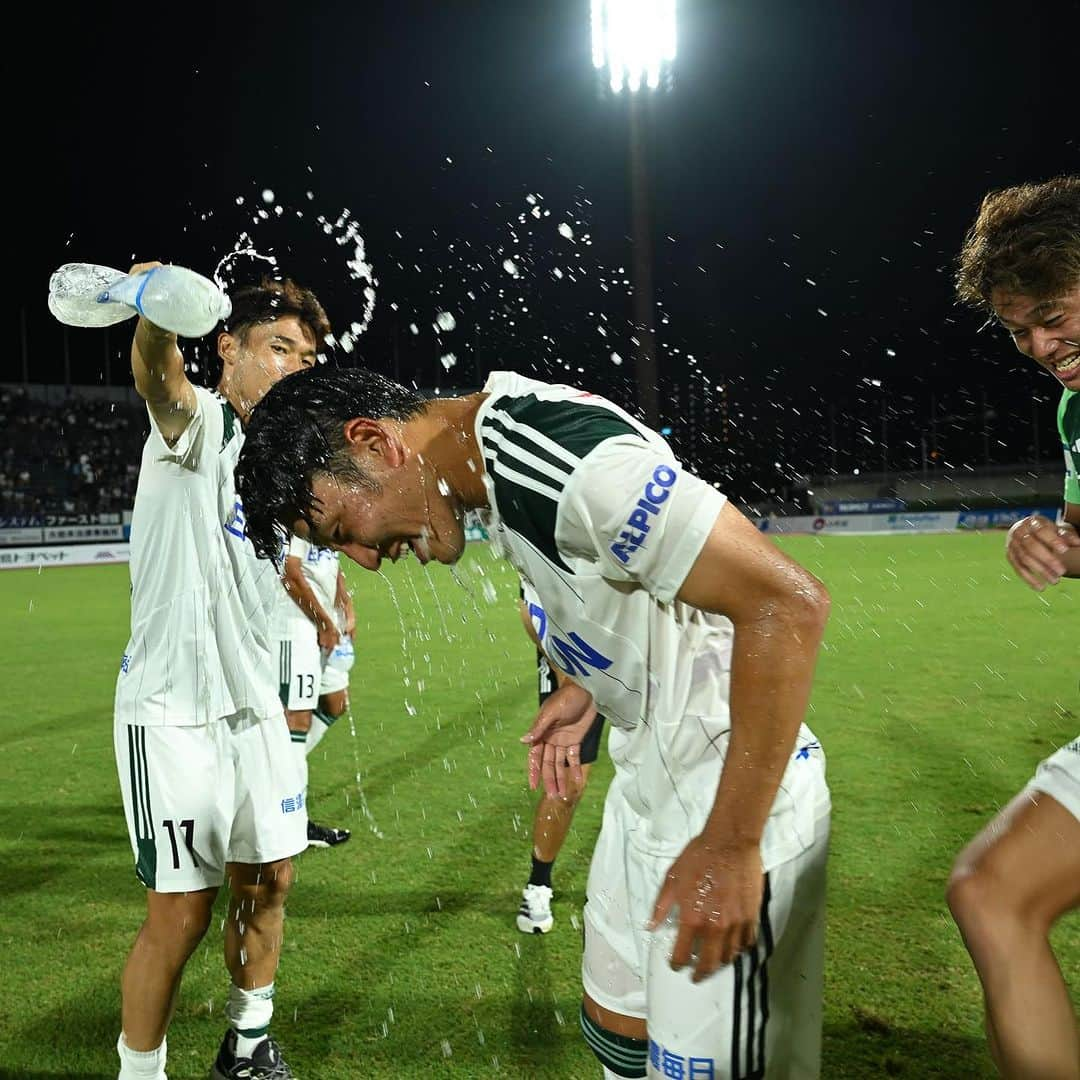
[179, 921]
[262, 887]
[985, 903]
[621, 1055]
[967, 895]
[298, 720]
[334, 705]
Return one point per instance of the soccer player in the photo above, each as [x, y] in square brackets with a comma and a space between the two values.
[210, 784]
[312, 621]
[1021, 262]
[667, 608]
[551, 821]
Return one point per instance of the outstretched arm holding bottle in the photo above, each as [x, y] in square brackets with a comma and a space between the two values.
[158, 368]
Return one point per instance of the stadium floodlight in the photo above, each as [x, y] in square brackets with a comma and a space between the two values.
[634, 40]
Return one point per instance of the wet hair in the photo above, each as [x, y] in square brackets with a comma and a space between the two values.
[270, 300]
[296, 432]
[1025, 241]
[263, 303]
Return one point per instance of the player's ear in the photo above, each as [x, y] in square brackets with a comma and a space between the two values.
[370, 437]
[226, 348]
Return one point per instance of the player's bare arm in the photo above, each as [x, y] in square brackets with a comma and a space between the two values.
[302, 594]
[158, 369]
[343, 602]
[779, 612]
[1042, 552]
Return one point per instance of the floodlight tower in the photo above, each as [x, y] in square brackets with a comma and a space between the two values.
[633, 47]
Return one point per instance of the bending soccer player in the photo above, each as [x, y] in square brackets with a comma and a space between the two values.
[671, 613]
[210, 784]
[312, 627]
[1021, 262]
[551, 821]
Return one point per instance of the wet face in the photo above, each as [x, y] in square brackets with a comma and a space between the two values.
[1048, 331]
[405, 512]
[262, 355]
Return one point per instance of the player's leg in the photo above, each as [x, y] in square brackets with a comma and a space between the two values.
[269, 827]
[551, 823]
[332, 707]
[301, 670]
[254, 929]
[760, 1015]
[614, 999]
[332, 704]
[175, 924]
[334, 689]
[299, 667]
[1007, 889]
[170, 778]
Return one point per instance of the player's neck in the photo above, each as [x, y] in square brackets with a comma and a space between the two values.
[444, 436]
[226, 391]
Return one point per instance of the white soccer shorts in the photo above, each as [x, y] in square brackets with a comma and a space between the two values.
[305, 673]
[1059, 776]
[196, 798]
[300, 670]
[759, 1016]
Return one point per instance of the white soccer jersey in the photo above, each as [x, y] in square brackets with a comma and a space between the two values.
[594, 511]
[200, 599]
[320, 567]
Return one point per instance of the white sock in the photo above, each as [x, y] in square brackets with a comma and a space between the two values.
[249, 1013]
[141, 1064]
[319, 727]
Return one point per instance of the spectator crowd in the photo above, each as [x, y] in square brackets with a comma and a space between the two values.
[79, 455]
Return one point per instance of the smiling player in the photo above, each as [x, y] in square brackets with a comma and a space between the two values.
[663, 604]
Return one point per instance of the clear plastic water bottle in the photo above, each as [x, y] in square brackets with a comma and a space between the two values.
[342, 656]
[172, 297]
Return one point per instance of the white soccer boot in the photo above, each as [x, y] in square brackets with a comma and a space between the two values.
[534, 915]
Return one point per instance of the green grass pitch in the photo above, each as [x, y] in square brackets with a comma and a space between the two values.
[943, 683]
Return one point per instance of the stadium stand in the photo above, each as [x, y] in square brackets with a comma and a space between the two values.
[68, 450]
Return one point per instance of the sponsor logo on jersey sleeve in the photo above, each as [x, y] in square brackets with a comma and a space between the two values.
[642, 518]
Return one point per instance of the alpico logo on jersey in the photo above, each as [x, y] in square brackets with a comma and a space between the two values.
[575, 656]
[654, 496]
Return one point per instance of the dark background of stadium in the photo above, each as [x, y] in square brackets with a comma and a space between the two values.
[845, 143]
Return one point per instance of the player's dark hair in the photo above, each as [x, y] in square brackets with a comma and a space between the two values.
[270, 300]
[263, 303]
[298, 431]
[1025, 241]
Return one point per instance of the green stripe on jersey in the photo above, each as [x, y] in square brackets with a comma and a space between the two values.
[531, 448]
[576, 426]
[229, 415]
[1069, 429]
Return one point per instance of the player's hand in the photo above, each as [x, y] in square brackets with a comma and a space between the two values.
[349, 620]
[141, 268]
[717, 887]
[1034, 549]
[554, 740]
[328, 637]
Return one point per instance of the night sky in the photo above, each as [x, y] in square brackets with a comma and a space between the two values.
[814, 168]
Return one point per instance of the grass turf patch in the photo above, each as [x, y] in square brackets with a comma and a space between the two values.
[943, 682]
